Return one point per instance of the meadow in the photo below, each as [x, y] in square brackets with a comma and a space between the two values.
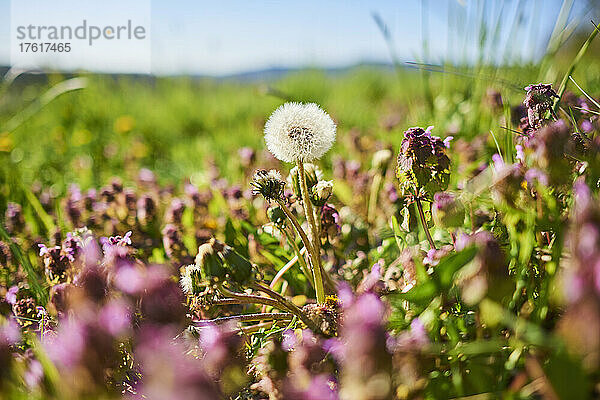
[427, 233]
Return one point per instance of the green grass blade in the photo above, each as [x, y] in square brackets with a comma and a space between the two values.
[590, 98]
[39, 210]
[578, 57]
[60, 88]
[34, 280]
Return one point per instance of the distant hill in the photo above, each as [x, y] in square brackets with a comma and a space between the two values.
[267, 74]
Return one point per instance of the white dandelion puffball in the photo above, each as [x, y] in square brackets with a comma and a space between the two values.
[186, 281]
[299, 132]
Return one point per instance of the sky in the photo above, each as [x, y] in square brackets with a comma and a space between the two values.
[219, 38]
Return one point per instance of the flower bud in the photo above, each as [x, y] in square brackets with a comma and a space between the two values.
[276, 216]
[190, 279]
[321, 192]
[313, 176]
[381, 160]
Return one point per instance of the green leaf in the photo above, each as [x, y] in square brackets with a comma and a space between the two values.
[567, 377]
[452, 263]
[421, 294]
[34, 280]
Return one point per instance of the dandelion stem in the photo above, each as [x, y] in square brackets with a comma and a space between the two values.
[313, 256]
[250, 329]
[291, 306]
[245, 318]
[373, 196]
[300, 253]
[296, 224]
[283, 270]
[424, 222]
[251, 299]
[308, 210]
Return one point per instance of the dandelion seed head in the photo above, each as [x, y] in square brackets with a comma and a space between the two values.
[186, 281]
[299, 132]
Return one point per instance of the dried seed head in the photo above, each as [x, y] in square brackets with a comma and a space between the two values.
[268, 184]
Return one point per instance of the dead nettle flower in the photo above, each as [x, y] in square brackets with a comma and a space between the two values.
[320, 193]
[494, 99]
[56, 263]
[583, 274]
[422, 161]
[247, 157]
[366, 363]
[447, 210]
[175, 212]
[130, 199]
[25, 311]
[487, 273]
[162, 301]
[87, 343]
[90, 199]
[74, 204]
[197, 200]
[539, 101]
[552, 145]
[146, 209]
[299, 132]
[5, 255]
[271, 366]
[268, 184]
[168, 372]
[311, 367]
[10, 335]
[223, 356]
[581, 321]
[14, 218]
[117, 240]
[509, 181]
[173, 243]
